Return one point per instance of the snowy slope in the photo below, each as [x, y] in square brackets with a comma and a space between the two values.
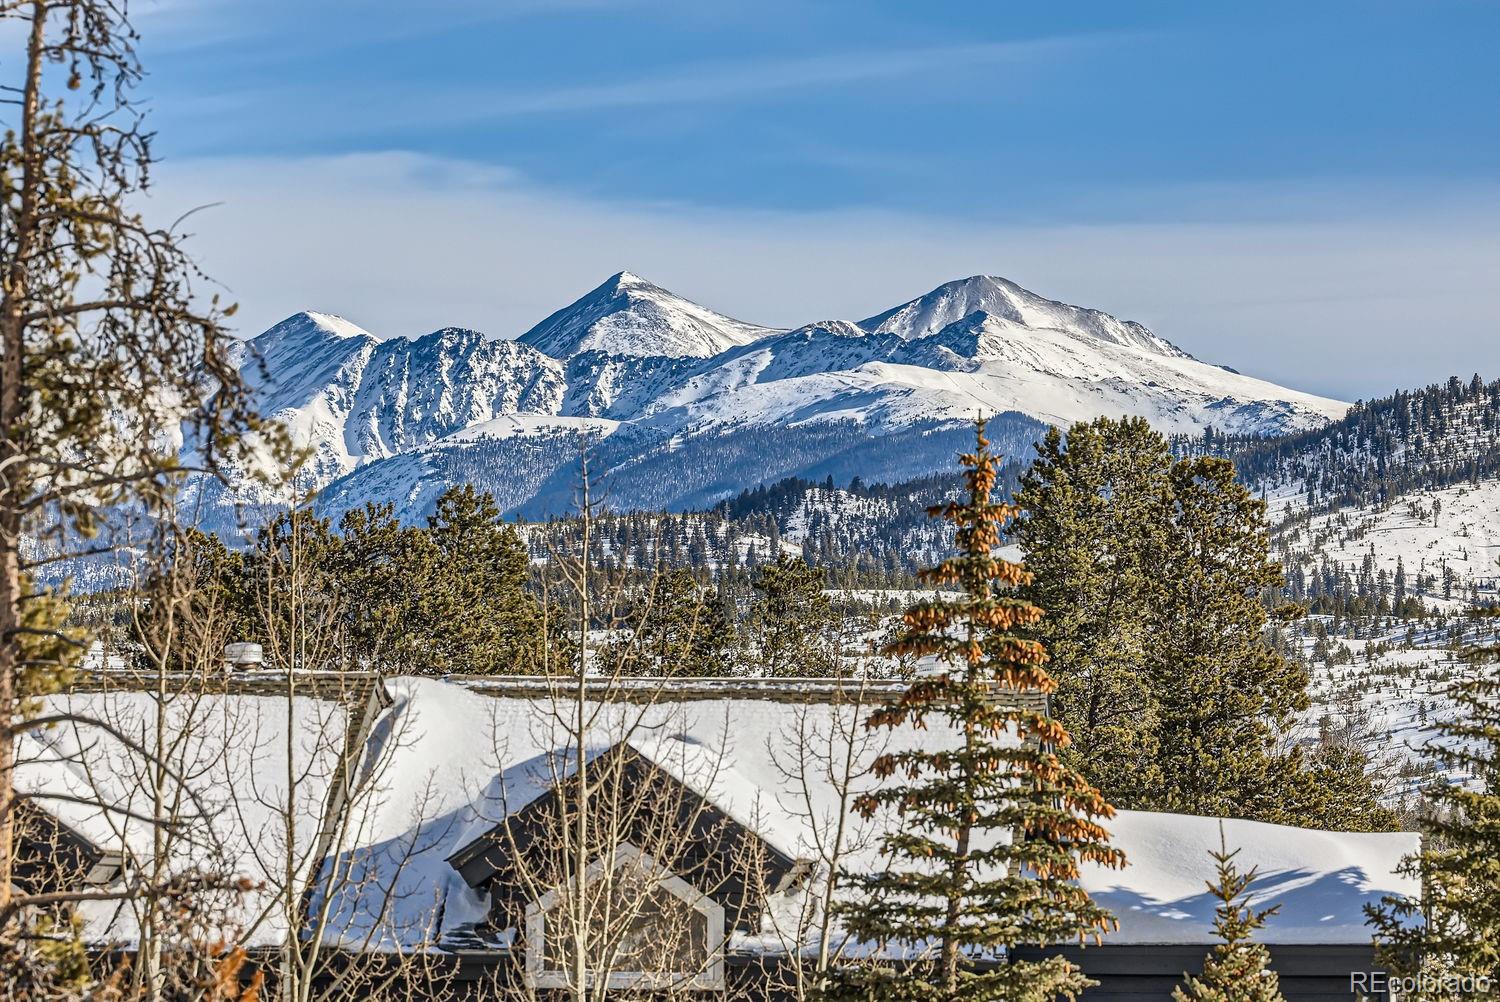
[627, 315]
[982, 363]
[953, 301]
[696, 399]
[1390, 675]
[1451, 533]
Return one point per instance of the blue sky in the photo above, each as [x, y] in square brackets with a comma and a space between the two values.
[1302, 191]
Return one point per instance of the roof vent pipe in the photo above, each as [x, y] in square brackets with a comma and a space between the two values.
[238, 657]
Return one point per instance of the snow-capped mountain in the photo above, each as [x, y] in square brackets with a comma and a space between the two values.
[1007, 301]
[351, 398]
[690, 406]
[627, 315]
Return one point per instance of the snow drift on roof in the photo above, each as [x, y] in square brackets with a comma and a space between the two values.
[445, 762]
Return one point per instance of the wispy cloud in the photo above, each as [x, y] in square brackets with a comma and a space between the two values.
[403, 244]
[712, 84]
[178, 24]
[267, 90]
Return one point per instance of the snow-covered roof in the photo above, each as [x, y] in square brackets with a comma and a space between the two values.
[445, 761]
[1321, 881]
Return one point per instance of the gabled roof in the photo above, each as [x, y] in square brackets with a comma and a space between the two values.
[448, 749]
[51, 855]
[709, 852]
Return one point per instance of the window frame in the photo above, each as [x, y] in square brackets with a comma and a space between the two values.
[709, 977]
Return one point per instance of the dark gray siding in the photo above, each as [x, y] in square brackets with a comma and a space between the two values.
[1307, 973]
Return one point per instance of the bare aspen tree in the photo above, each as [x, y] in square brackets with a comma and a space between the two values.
[642, 917]
[171, 658]
[823, 755]
[143, 750]
[105, 349]
[331, 894]
[604, 878]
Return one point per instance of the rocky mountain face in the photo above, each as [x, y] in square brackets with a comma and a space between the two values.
[627, 315]
[685, 406]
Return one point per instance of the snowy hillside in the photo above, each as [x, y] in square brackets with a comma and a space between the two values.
[627, 315]
[1388, 523]
[952, 301]
[696, 406]
[1444, 544]
[1392, 584]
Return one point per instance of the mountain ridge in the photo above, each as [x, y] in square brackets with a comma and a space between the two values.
[660, 323]
[659, 379]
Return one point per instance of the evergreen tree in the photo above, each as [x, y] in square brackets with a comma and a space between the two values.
[291, 578]
[50, 649]
[1224, 695]
[679, 630]
[1155, 575]
[1238, 969]
[42, 951]
[991, 832]
[1453, 928]
[386, 573]
[451, 597]
[478, 614]
[1331, 789]
[791, 621]
[211, 580]
[1091, 505]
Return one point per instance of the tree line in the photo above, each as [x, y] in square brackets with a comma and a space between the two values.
[1423, 439]
[462, 594]
[1143, 614]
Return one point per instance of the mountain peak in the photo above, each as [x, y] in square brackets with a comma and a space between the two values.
[697, 392]
[314, 322]
[623, 279]
[313, 331]
[1005, 300]
[335, 324]
[627, 315]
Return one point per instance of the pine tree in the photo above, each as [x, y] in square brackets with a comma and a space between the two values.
[197, 599]
[992, 832]
[791, 620]
[479, 615]
[292, 573]
[1238, 969]
[42, 953]
[1155, 576]
[386, 573]
[1091, 504]
[680, 630]
[1453, 928]
[1224, 695]
[450, 597]
[1330, 788]
[50, 649]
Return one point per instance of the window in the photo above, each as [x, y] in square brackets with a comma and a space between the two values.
[647, 929]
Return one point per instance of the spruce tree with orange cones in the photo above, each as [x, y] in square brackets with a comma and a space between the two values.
[992, 828]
